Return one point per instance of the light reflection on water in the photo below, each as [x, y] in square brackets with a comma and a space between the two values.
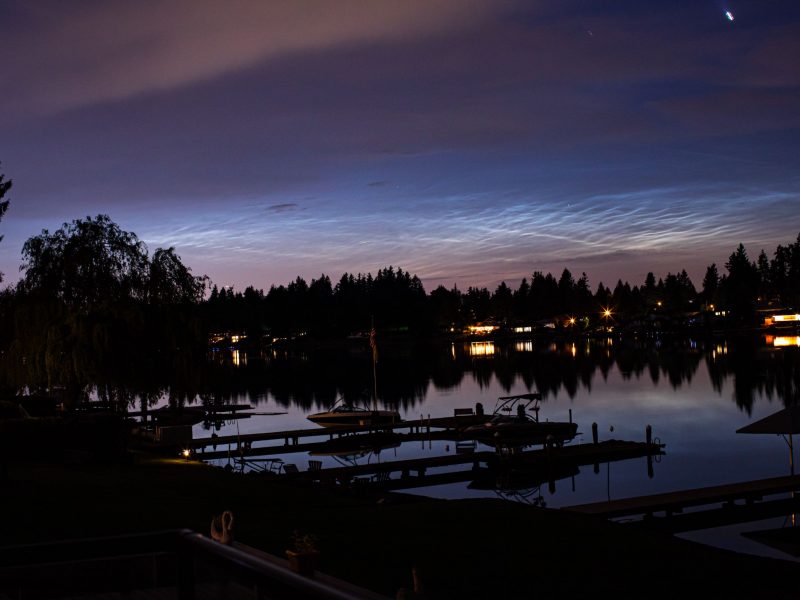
[481, 349]
[694, 410]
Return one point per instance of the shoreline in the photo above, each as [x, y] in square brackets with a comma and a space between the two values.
[464, 548]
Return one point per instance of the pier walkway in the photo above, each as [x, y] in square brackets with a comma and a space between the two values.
[544, 463]
[676, 502]
[293, 437]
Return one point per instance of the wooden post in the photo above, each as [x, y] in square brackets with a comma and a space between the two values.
[594, 433]
[648, 434]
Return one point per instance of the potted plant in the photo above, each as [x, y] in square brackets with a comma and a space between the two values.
[304, 557]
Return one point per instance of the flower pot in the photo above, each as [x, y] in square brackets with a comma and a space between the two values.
[303, 563]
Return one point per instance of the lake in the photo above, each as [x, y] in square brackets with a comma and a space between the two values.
[695, 393]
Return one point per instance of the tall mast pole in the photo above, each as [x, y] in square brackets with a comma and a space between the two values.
[373, 342]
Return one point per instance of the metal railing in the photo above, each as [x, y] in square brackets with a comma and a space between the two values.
[178, 564]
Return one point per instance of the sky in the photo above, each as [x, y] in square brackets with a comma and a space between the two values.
[468, 142]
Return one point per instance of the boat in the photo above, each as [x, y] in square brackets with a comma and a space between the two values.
[515, 421]
[343, 413]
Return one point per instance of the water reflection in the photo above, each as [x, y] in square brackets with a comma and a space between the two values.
[523, 486]
[782, 341]
[481, 349]
[312, 379]
[238, 358]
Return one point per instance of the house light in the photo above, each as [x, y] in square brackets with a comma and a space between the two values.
[480, 329]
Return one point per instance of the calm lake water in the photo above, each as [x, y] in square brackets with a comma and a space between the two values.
[694, 393]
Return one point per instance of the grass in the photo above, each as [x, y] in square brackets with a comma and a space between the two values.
[463, 548]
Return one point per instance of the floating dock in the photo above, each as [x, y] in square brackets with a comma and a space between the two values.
[672, 503]
[293, 437]
[543, 464]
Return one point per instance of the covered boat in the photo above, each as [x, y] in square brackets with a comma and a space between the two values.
[515, 421]
[343, 413]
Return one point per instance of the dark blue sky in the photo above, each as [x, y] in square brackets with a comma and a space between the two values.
[467, 142]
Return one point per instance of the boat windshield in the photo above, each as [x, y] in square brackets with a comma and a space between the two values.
[347, 408]
[518, 407]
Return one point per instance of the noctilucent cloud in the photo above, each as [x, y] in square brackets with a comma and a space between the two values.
[466, 141]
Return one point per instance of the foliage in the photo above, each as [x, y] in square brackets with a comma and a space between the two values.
[94, 312]
[740, 287]
[304, 542]
[5, 186]
[171, 282]
[91, 263]
[86, 263]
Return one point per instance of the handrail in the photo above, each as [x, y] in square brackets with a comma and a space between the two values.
[264, 570]
[187, 547]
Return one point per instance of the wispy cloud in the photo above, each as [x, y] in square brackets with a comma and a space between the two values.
[62, 55]
[286, 206]
[458, 240]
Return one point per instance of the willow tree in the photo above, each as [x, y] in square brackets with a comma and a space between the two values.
[93, 311]
[86, 264]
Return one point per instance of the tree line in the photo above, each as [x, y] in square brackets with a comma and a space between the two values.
[397, 300]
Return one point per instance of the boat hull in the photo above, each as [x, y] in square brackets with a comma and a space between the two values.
[367, 417]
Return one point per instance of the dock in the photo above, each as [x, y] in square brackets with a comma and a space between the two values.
[542, 464]
[293, 437]
[494, 468]
[672, 503]
[220, 409]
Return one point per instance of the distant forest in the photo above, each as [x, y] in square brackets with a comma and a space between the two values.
[397, 301]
